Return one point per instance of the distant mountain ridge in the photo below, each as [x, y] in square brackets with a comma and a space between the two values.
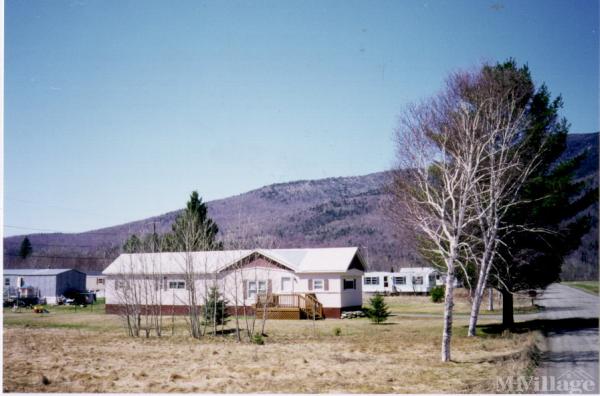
[341, 211]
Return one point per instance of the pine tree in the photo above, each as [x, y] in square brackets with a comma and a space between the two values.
[133, 244]
[193, 230]
[551, 201]
[378, 312]
[215, 301]
[26, 248]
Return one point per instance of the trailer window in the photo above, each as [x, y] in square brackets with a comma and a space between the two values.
[318, 284]
[417, 280]
[349, 284]
[399, 280]
[371, 280]
[176, 285]
[100, 281]
[6, 281]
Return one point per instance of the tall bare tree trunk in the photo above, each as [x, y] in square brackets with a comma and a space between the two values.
[448, 314]
[484, 270]
[490, 299]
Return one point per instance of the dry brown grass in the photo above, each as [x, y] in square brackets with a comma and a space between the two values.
[413, 304]
[399, 357]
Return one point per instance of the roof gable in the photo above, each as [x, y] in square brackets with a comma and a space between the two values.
[357, 263]
[258, 258]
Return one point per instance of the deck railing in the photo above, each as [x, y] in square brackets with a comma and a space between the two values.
[307, 303]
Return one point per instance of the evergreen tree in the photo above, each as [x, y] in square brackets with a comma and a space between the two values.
[215, 301]
[26, 249]
[551, 201]
[193, 230]
[378, 311]
[133, 244]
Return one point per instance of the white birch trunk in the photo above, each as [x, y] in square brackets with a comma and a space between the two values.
[448, 315]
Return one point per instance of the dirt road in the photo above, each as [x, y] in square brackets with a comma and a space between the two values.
[570, 324]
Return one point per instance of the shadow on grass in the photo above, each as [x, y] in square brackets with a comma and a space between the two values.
[557, 326]
[227, 332]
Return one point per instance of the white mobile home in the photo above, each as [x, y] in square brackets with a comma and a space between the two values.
[406, 280]
[288, 279]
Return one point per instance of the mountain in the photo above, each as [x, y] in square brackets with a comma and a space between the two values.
[338, 211]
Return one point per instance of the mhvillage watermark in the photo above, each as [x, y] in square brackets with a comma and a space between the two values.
[572, 381]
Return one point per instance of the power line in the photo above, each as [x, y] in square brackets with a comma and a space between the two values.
[31, 228]
[49, 205]
[60, 257]
[71, 233]
[34, 243]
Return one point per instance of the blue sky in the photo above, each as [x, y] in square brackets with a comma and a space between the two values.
[117, 110]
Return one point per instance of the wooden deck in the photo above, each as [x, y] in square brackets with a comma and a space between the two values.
[289, 306]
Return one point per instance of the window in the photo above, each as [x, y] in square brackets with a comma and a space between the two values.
[176, 285]
[417, 280]
[6, 281]
[318, 284]
[399, 280]
[262, 287]
[349, 284]
[371, 280]
[99, 281]
[120, 284]
[252, 290]
[431, 279]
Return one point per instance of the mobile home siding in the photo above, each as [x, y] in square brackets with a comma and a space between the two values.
[46, 284]
[50, 284]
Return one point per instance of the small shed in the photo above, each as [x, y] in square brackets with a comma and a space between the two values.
[48, 284]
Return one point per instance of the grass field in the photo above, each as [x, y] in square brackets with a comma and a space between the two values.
[588, 286]
[87, 351]
[410, 304]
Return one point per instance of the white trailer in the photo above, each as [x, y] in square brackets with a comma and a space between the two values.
[406, 280]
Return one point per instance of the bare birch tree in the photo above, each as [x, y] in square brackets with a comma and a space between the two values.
[438, 165]
[503, 168]
[129, 295]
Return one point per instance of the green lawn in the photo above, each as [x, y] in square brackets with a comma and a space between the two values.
[59, 316]
[588, 286]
